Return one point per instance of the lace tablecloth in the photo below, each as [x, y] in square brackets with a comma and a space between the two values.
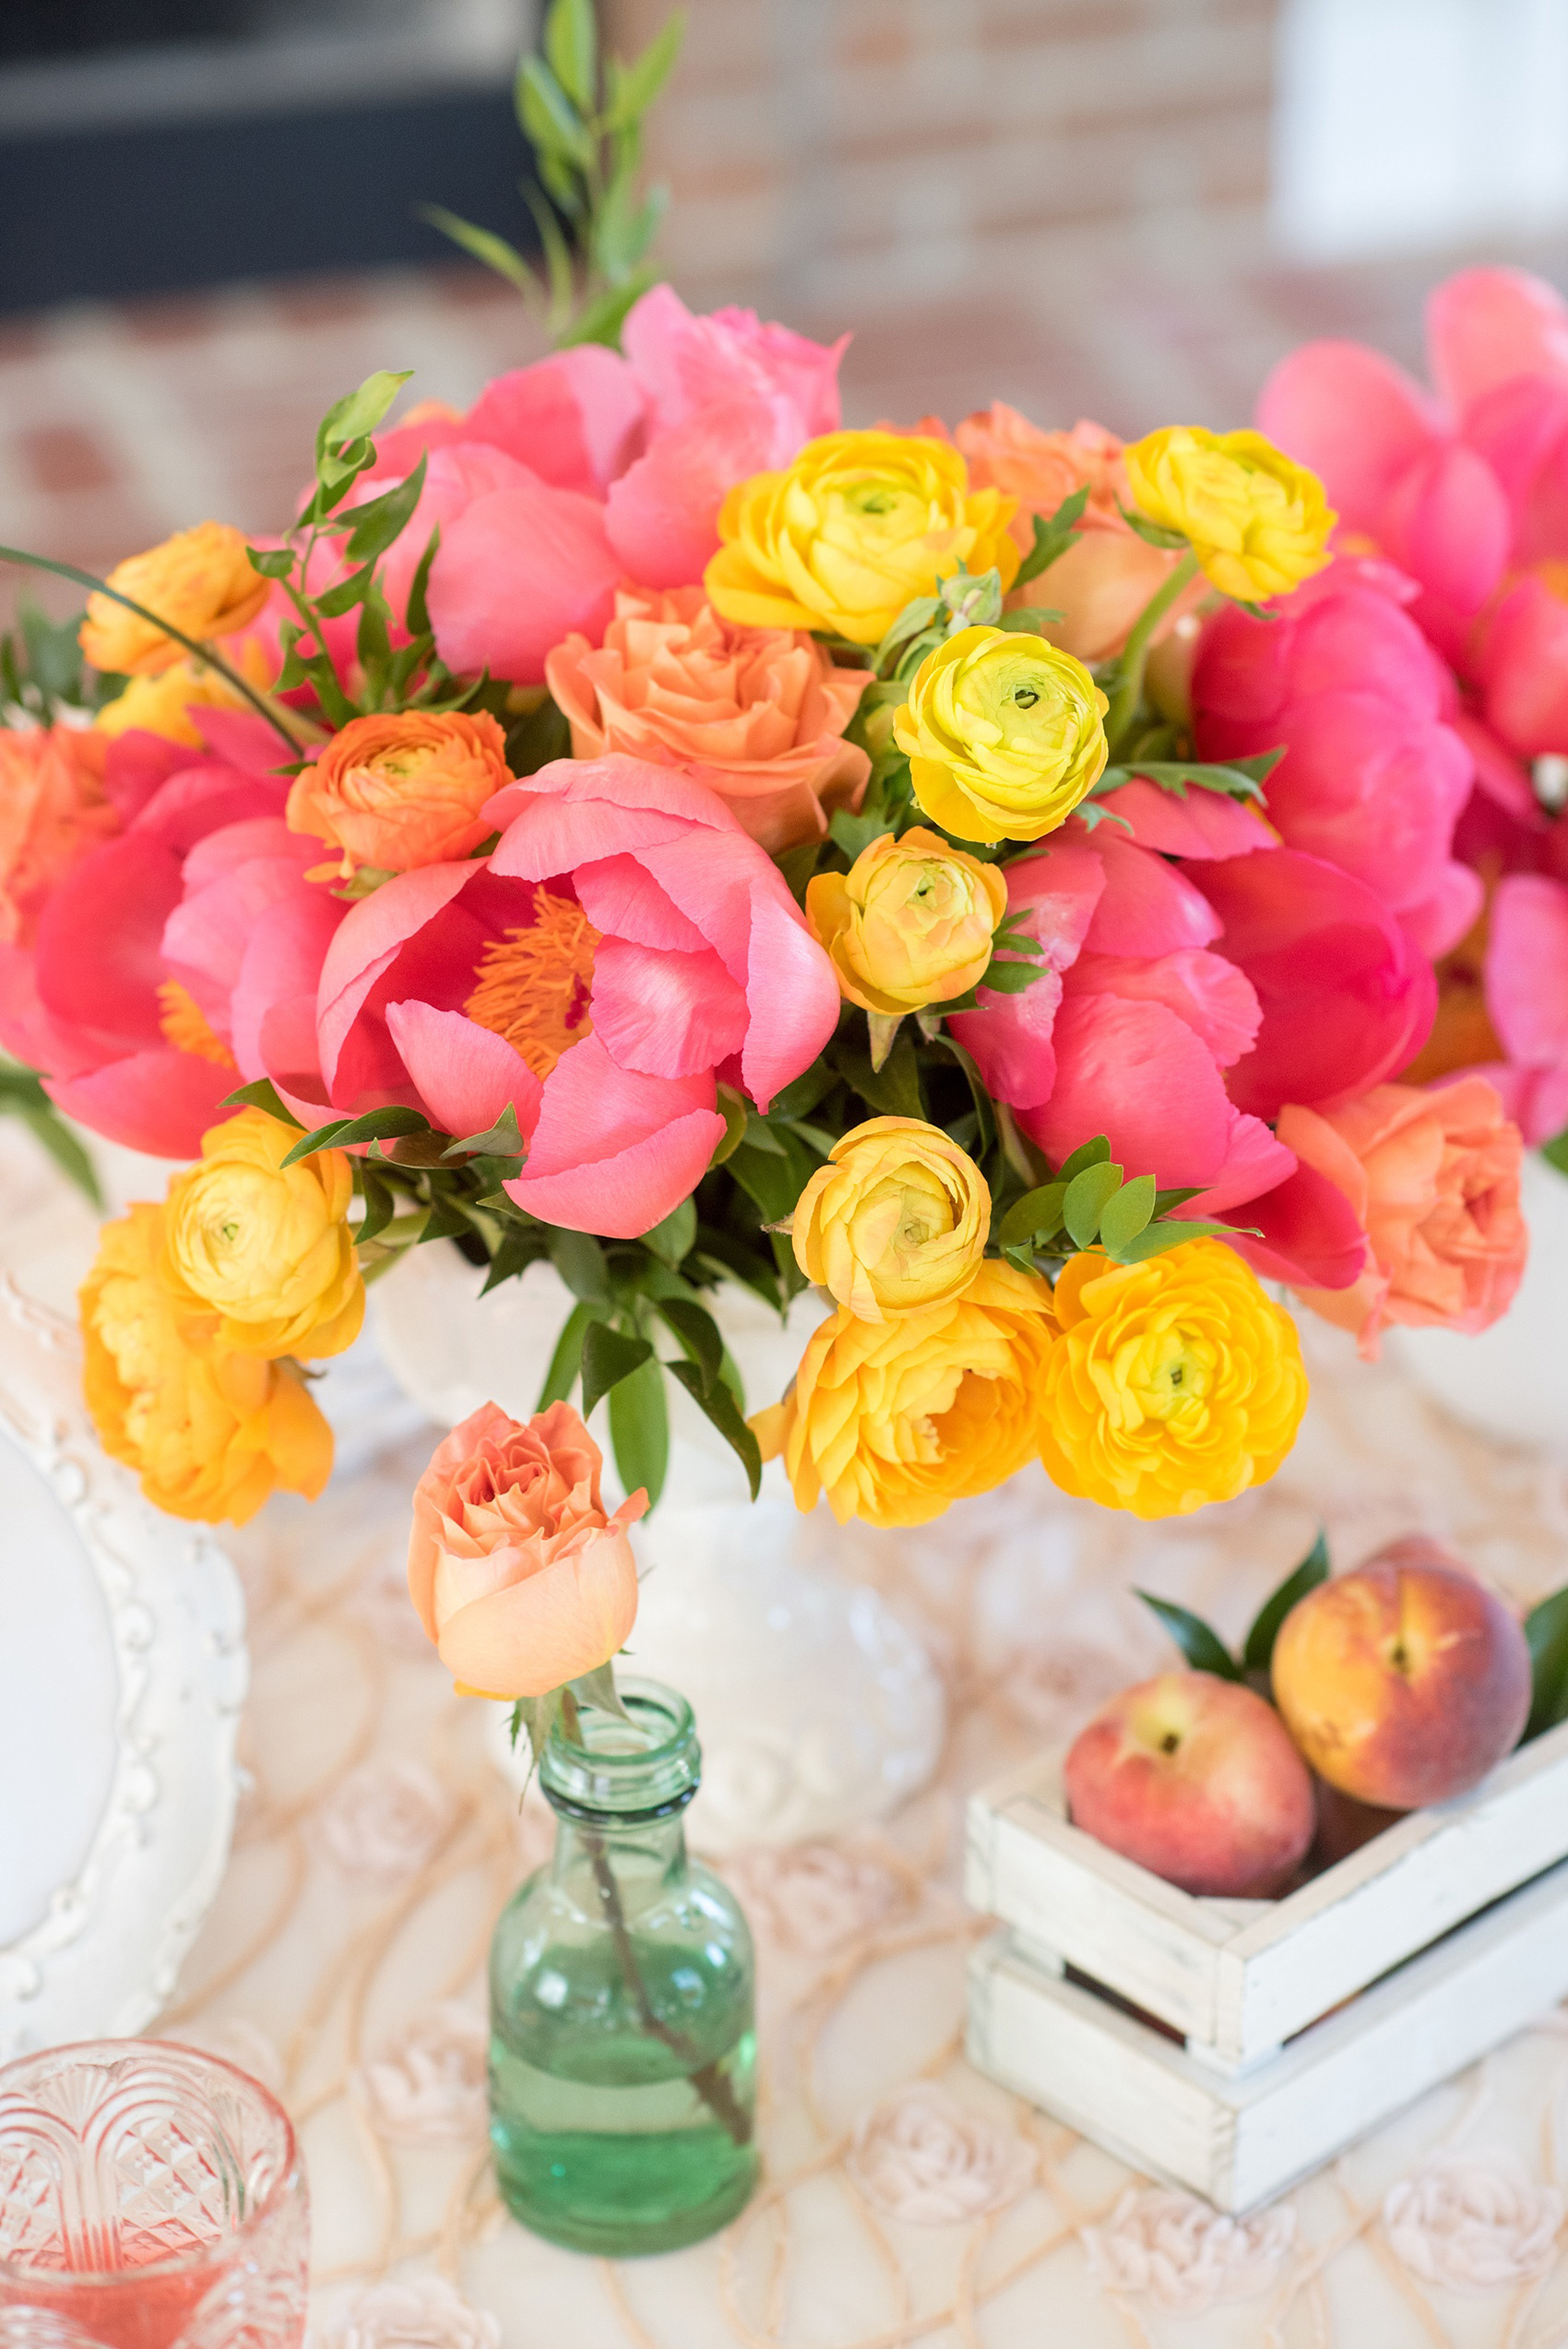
[906, 2200]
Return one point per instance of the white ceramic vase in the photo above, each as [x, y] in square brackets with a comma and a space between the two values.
[1508, 1382]
[817, 1707]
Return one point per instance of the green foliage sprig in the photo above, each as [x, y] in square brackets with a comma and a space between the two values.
[1206, 1651]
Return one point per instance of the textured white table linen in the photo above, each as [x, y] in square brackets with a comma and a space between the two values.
[906, 2199]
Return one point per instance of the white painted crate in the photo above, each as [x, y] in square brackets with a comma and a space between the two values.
[1467, 1900]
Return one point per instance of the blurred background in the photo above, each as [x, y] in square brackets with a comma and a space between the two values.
[1124, 209]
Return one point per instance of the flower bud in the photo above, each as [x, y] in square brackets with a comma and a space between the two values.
[1257, 523]
[911, 922]
[1005, 734]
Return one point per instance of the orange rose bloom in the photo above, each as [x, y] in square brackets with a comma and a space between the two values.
[201, 582]
[1106, 576]
[52, 811]
[1434, 1177]
[756, 714]
[519, 1577]
[402, 790]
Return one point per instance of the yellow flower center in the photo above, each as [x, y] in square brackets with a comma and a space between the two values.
[184, 1026]
[1166, 1374]
[534, 982]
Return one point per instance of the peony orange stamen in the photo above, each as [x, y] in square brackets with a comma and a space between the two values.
[186, 1026]
[534, 982]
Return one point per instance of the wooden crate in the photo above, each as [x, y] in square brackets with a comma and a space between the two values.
[1275, 2051]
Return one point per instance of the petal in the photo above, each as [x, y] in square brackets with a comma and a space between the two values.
[1147, 907]
[1449, 524]
[572, 419]
[791, 995]
[1215, 999]
[369, 940]
[1204, 824]
[1312, 1235]
[1523, 668]
[1435, 927]
[662, 517]
[272, 1008]
[559, 1623]
[1485, 326]
[515, 572]
[119, 897]
[1137, 1074]
[614, 1152]
[158, 1102]
[464, 1074]
[1355, 418]
[1526, 968]
[667, 1014]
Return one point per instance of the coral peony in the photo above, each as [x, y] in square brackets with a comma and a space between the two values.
[209, 1430]
[1175, 1383]
[910, 922]
[1526, 997]
[895, 1420]
[1257, 523]
[53, 809]
[756, 714]
[897, 1218]
[1433, 1177]
[1005, 734]
[599, 972]
[520, 1578]
[855, 527]
[265, 1248]
[201, 582]
[400, 790]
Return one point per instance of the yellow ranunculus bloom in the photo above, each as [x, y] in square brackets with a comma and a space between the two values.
[265, 1248]
[896, 1221]
[894, 1420]
[209, 1431]
[200, 580]
[858, 525]
[161, 704]
[1175, 1382]
[1258, 523]
[909, 924]
[1005, 734]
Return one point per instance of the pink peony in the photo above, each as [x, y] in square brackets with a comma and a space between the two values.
[520, 1578]
[1526, 995]
[1374, 776]
[625, 946]
[1433, 1177]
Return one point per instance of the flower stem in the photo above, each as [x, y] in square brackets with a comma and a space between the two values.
[1129, 686]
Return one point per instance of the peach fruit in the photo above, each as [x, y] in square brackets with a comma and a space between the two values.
[1404, 1682]
[1194, 1778]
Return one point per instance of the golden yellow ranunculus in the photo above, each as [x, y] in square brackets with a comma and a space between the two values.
[1175, 1382]
[909, 924]
[161, 704]
[858, 525]
[896, 1221]
[209, 1431]
[264, 1247]
[894, 1420]
[200, 580]
[1005, 734]
[1257, 522]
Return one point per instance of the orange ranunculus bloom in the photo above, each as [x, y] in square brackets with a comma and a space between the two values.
[756, 714]
[401, 790]
[1434, 1178]
[201, 581]
[910, 922]
[52, 811]
[1108, 573]
[209, 1431]
[518, 1574]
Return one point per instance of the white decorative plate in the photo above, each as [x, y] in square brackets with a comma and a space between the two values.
[123, 1670]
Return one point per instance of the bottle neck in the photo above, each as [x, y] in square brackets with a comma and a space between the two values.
[607, 1862]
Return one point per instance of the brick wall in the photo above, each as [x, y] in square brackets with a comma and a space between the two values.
[849, 157]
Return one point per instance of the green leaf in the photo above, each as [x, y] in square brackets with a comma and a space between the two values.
[260, 1093]
[549, 117]
[272, 562]
[521, 1245]
[854, 834]
[719, 1406]
[1051, 538]
[356, 415]
[671, 1240]
[571, 45]
[579, 1261]
[1087, 1155]
[1232, 779]
[602, 319]
[536, 1717]
[598, 1689]
[1010, 975]
[483, 245]
[342, 598]
[1176, 1234]
[558, 255]
[1152, 533]
[566, 1360]
[500, 1141]
[893, 1090]
[609, 1355]
[1258, 1653]
[698, 1331]
[1085, 1195]
[1028, 619]
[376, 1126]
[379, 521]
[1546, 1634]
[46, 1123]
[1123, 1217]
[639, 1428]
[1034, 1216]
[803, 1093]
[1555, 1152]
[734, 1111]
[638, 84]
[1204, 1650]
[380, 1204]
[416, 616]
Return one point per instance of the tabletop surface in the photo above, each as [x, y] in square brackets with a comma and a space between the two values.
[905, 2199]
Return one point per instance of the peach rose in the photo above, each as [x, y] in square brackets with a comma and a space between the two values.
[401, 789]
[1434, 1177]
[1106, 576]
[52, 811]
[756, 714]
[518, 1575]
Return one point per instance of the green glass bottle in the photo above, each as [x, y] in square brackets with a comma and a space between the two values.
[623, 2047]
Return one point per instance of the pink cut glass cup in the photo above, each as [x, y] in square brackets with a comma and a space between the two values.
[151, 2198]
